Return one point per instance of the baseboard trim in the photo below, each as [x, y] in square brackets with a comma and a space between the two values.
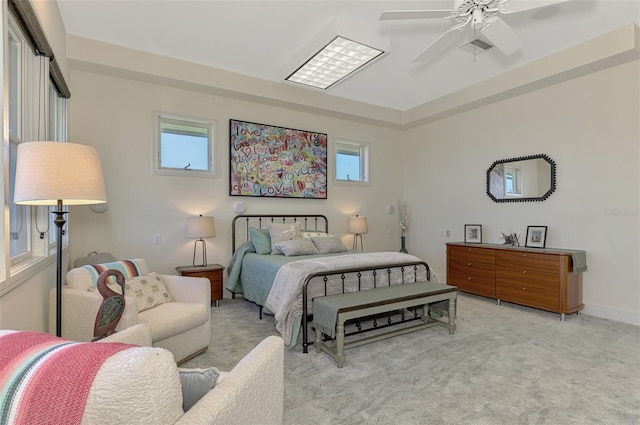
[604, 312]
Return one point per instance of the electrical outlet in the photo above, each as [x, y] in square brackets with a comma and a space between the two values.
[157, 238]
[447, 232]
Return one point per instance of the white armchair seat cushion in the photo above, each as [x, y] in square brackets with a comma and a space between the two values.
[173, 318]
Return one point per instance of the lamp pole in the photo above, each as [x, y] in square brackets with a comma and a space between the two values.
[59, 222]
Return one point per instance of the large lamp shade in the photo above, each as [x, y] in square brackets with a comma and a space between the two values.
[47, 172]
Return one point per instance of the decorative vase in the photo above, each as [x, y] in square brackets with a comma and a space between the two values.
[403, 248]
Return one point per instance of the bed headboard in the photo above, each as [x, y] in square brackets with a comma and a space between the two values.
[241, 223]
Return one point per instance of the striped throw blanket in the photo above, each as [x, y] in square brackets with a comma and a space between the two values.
[45, 379]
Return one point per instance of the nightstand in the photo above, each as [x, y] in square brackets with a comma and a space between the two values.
[213, 272]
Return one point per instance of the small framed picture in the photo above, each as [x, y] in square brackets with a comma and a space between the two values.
[536, 236]
[473, 233]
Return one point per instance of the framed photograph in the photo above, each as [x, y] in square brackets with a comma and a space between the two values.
[473, 233]
[536, 236]
[277, 162]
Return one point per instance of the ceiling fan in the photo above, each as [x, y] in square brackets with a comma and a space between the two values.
[480, 15]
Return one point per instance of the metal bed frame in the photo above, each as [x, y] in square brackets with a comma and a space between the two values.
[316, 222]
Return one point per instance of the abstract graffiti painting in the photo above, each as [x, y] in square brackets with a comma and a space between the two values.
[279, 162]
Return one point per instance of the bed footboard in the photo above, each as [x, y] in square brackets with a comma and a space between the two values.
[353, 279]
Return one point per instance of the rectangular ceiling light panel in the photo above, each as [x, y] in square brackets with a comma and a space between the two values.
[337, 60]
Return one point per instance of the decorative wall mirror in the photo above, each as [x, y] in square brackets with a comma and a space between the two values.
[522, 179]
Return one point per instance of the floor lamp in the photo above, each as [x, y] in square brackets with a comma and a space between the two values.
[58, 173]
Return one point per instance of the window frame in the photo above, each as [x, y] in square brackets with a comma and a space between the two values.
[158, 119]
[364, 152]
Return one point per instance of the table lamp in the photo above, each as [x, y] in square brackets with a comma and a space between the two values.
[200, 227]
[358, 226]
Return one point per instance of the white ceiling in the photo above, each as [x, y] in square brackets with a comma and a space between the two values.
[260, 38]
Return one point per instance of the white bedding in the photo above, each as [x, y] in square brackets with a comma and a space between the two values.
[285, 297]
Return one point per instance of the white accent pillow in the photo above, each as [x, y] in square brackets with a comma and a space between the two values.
[283, 232]
[310, 234]
[149, 291]
[300, 246]
[328, 245]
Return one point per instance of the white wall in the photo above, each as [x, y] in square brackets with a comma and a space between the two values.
[590, 127]
[116, 116]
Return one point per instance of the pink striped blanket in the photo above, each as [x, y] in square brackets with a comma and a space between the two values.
[45, 379]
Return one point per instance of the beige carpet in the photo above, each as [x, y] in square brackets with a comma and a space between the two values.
[505, 365]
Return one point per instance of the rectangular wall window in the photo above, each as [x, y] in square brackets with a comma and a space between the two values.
[352, 161]
[183, 146]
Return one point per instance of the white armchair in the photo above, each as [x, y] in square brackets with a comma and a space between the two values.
[182, 326]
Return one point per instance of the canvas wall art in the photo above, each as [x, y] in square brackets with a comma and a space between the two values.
[270, 161]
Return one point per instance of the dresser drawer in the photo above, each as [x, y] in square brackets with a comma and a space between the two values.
[479, 283]
[542, 280]
[466, 254]
[530, 261]
[529, 295]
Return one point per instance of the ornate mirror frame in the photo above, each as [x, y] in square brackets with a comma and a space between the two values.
[496, 175]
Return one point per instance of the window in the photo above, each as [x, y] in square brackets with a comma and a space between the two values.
[512, 181]
[35, 111]
[352, 161]
[183, 146]
[18, 69]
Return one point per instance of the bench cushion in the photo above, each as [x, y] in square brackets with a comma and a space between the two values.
[325, 309]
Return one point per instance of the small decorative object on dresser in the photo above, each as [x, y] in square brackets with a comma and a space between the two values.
[213, 272]
[536, 237]
[473, 233]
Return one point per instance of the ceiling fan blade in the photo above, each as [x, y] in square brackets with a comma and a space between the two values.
[502, 36]
[389, 15]
[515, 6]
[439, 45]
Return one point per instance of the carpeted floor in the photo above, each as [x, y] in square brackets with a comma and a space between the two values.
[504, 365]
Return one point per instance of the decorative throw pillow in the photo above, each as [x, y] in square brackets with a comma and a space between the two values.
[87, 276]
[149, 291]
[328, 245]
[300, 246]
[261, 240]
[196, 383]
[311, 233]
[283, 232]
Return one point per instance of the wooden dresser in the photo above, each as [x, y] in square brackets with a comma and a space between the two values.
[537, 278]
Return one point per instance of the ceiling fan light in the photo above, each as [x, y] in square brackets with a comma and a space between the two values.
[478, 19]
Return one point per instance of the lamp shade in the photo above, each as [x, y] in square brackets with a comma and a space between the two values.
[201, 227]
[47, 172]
[357, 225]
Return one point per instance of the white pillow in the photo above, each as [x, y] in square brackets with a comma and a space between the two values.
[328, 245]
[283, 232]
[300, 246]
[149, 291]
[310, 234]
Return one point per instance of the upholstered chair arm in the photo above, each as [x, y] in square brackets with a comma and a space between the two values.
[252, 393]
[136, 335]
[79, 310]
[188, 289]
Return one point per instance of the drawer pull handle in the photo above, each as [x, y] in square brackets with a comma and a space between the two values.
[524, 272]
[468, 249]
[524, 255]
[469, 264]
[468, 278]
[524, 289]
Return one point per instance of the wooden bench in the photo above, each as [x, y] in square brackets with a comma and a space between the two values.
[331, 312]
